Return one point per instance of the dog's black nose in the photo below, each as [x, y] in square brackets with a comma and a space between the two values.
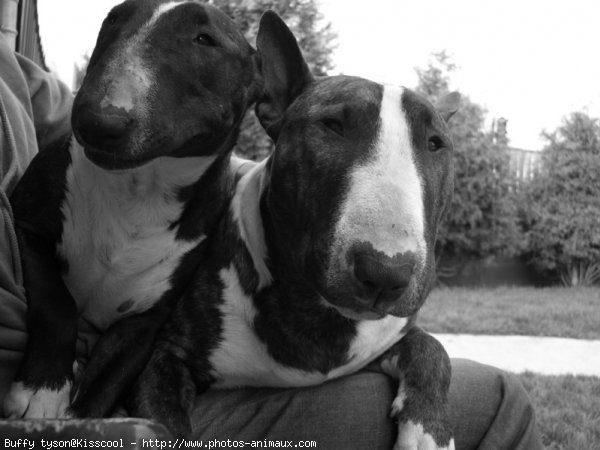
[102, 128]
[383, 278]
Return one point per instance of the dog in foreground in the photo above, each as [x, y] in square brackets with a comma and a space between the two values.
[325, 254]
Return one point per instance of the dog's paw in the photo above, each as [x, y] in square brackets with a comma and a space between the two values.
[44, 403]
[412, 436]
[398, 403]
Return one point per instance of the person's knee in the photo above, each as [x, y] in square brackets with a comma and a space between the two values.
[490, 408]
[516, 413]
[515, 395]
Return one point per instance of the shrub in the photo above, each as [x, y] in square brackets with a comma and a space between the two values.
[562, 214]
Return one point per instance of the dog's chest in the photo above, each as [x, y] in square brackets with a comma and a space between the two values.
[242, 359]
[118, 241]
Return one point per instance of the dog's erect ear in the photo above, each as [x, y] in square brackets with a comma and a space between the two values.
[448, 105]
[283, 70]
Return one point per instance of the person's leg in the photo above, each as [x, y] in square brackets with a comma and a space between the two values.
[349, 413]
[489, 410]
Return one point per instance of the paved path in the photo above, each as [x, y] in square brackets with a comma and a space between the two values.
[545, 355]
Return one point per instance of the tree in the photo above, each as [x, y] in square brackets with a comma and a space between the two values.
[315, 39]
[481, 220]
[563, 214]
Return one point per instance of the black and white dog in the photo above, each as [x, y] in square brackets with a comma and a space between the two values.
[325, 255]
[111, 223]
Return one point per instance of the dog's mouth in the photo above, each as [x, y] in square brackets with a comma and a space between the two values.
[352, 306]
[354, 313]
[358, 315]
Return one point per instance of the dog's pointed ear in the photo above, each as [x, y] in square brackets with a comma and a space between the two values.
[448, 105]
[283, 70]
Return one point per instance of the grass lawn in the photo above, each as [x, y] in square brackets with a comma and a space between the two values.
[558, 312]
[567, 409]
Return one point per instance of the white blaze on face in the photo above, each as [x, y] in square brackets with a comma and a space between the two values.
[129, 76]
[384, 204]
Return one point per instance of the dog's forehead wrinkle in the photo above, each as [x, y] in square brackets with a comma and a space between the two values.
[343, 89]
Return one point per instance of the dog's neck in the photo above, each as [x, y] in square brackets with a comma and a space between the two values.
[245, 208]
[198, 186]
[255, 218]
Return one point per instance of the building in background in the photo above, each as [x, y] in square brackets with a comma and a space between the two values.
[523, 163]
[19, 24]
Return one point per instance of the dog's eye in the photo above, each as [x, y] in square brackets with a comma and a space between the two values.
[334, 125]
[435, 143]
[205, 39]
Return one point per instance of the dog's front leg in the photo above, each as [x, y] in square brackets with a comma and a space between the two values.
[165, 392]
[43, 382]
[117, 359]
[422, 368]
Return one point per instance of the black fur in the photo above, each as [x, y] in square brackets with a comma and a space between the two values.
[36, 206]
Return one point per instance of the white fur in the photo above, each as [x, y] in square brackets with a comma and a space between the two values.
[24, 402]
[398, 403]
[384, 204]
[116, 234]
[373, 337]
[412, 436]
[242, 358]
[246, 212]
[240, 166]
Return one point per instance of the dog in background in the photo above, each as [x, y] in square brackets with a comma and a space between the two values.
[112, 220]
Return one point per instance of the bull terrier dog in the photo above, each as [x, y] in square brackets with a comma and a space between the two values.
[325, 255]
[112, 219]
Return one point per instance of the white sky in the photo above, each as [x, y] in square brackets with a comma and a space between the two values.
[530, 61]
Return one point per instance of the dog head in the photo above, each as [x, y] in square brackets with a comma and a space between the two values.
[166, 78]
[358, 182]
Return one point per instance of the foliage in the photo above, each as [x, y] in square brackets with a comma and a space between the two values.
[566, 409]
[563, 217]
[80, 70]
[315, 39]
[480, 221]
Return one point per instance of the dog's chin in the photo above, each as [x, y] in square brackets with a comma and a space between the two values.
[111, 162]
